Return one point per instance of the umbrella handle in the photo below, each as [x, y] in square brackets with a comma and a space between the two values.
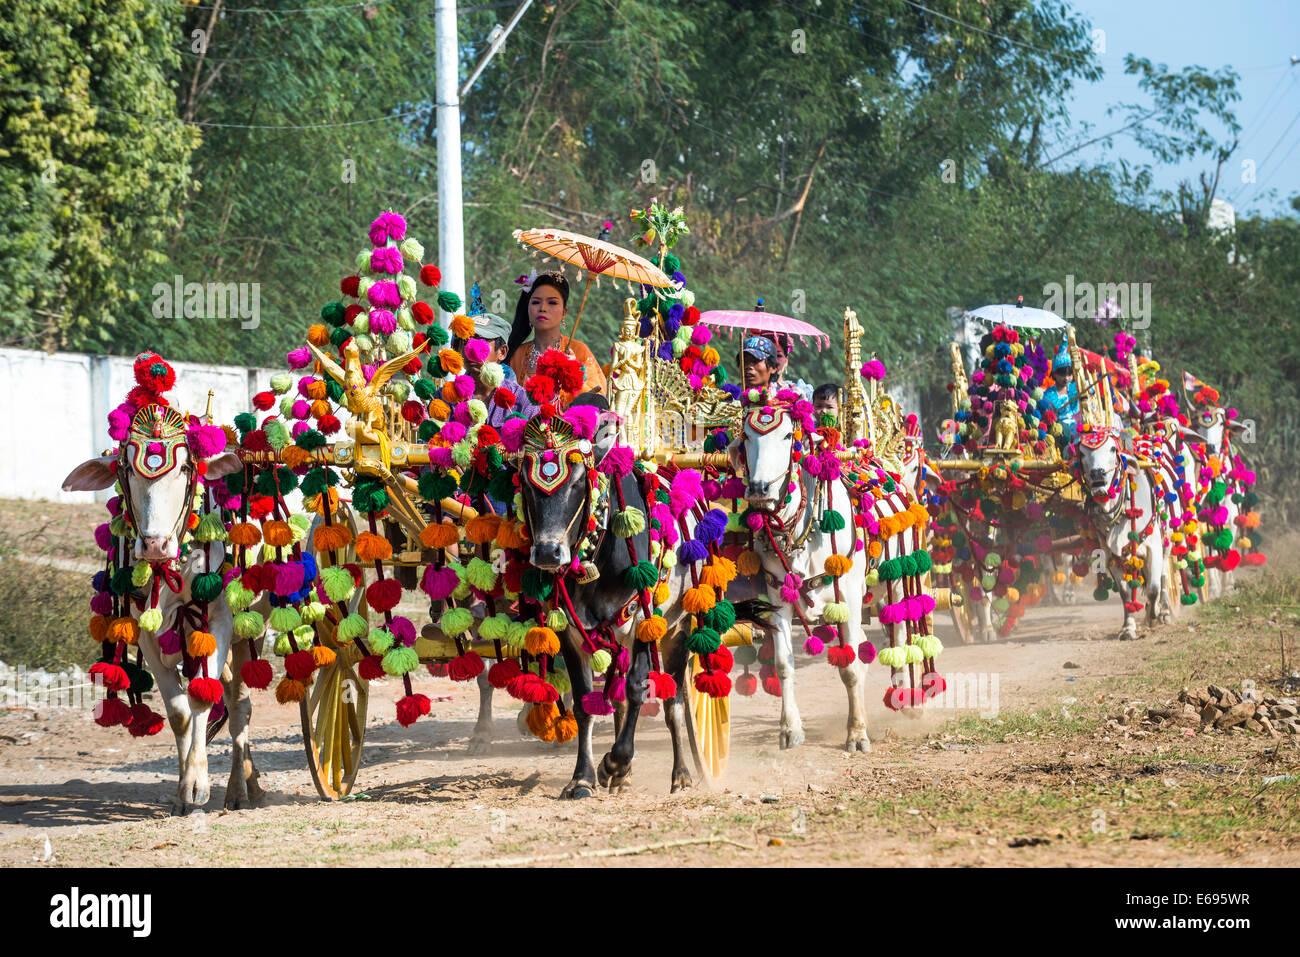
[578, 318]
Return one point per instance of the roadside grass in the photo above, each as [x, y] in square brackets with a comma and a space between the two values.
[43, 616]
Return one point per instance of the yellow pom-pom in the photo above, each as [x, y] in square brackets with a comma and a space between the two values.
[661, 593]
[699, 599]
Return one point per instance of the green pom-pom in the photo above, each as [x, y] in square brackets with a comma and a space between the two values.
[501, 486]
[516, 633]
[340, 335]
[557, 621]
[285, 619]
[455, 622]
[140, 574]
[309, 440]
[209, 529]
[318, 480]
[745, 655]
[281, 383]
[481, 574]
[600, 661]
[889, 570]
[537, 584]
[333, 313]
[930, 646]
[438, 336]
[141, 680]
[448, 301]
[245, 422]
[832, 521]
[914, 654]
[351, 628]
[427, 430]
[313, 612]
[120, 583]
[435, 486]
[426, 389]
[400, 660]
[338, 583]
[151, 619]
[703, 641]
[671, 264]
[494, 628]
[369, 495]
[238, 597]
[629, 522]
[641, 575]
[249, 624]
[282, 645]
[720, 617]
[206, 587]
[836, 612]
[379, 640]
[906, 566]
[333, 390]
[1188, 599]
[1100, 593]
[923, 561]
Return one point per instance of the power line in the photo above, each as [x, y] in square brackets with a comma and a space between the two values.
[1280, 163]
[336, 9]
[989, 33]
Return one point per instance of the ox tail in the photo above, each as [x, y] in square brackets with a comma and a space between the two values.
[755, 611]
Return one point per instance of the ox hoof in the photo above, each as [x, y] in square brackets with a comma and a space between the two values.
[1127, 635]
[682, 780]
[576, 790]
[791, 739]
[182, 809]
[610, 775]
[862, 744]
[1068, 598]
[239, 803]
[479, 745]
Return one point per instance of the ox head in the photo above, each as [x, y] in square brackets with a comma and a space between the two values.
[764, 453]
[558, 481]
[1211, 424]
[158, 473]
[1098, 452]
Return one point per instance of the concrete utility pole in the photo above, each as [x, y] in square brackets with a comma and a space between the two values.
[451, 219]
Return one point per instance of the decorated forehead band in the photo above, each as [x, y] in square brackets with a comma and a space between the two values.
[154, 441]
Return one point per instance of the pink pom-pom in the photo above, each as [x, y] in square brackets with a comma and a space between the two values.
[382, 321]
[169, 642]
[813, 645]
[403, 630]
[866, 652]
[874, 370]
[927, 604]
[789, 595]
[512, 435]
[298, 358]
[386, 259]
[369, 372]
[583, 419]
[301, 409]
[439, 583]
[733, 487]
[700, 335]
[754, 520]
[477, 350]
[713, 490]
[453, 432]
[206, 441]
[594, 704]
[440, 457]
[119, 424]
[394, 226]
[299, 428]
[464, 386]
[686, 489]
[101, 603]
[617, 461]
[103, 537]
[304, 384]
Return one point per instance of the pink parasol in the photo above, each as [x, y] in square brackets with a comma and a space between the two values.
[764, 322]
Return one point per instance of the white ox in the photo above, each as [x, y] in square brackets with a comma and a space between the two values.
[159, 506]
[1106, 477]
[1212, 427]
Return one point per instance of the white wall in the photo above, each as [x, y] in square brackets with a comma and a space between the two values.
[54, 412]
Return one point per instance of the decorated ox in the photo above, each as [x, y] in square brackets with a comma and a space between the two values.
[168, 573]
[1124, 514]
[798, 502]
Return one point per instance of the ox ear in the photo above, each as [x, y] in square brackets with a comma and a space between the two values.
[91, 475]
[1234, 426]
[223, 465]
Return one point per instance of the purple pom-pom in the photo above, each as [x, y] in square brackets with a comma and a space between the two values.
[169, 642]
[101, 603]
[103, 537]
[617, 688]
[867, 652]
[594, 704]
[692, 551]
[712, 525]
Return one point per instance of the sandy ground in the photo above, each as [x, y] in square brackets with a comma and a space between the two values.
[930, 792]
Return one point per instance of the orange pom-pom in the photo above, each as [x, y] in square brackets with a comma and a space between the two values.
[324, 656]
[713, 576]
[566, 729]
[244, 533]
[98, 627]
[321, 408]
[438, 410]
[317, 390]
[290, 689]
[292, 456]
[541, 720]
[482, 529]
[124, 629]
[373, 548]
[511, 534]
[541, 641]
[277, 534]
[874, 549]
[316, 503]
[651, 629]
[451, 361]
[449, 394]
[922, 515]
[748, 563]
[201, 644]
[661, 593]
[329, 538]
[838, 565]
[318, 335]
[699, 599]
[439, 535]
[462, 327]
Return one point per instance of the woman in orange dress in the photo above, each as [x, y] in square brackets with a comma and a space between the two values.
[540, 310]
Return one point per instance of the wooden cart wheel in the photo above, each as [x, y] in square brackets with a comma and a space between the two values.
[708, 728]
[1173, 586]
[334, 725]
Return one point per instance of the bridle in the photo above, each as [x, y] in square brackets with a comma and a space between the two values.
[765, 421]
[546, 459]
[160, 425]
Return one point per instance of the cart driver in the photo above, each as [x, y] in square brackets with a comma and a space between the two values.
[1064, 396]
[757, 362]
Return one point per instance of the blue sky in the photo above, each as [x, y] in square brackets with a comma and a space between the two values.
[1256, 37]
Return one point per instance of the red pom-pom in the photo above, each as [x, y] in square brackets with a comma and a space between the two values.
[772, 685]
[841, 656]
[383, 595]
[487, 436]
[541, 388]
[500, 674]
[430, 276]
[691, 316]
[114, 678]
[896, 698]
[422, 312]
[111, 712]
[300, 665]
[547, 410]
[414, 366]
[413, 410]
[153, 373]
[260, 506]
[1230, 560]
[465, 667]
[255, 441]
[721, 660]
[144, 721]
[140, 396]
[263, 401]
[351, 313]
[1255, 558]
[746, 684]
[371, 667]
[933, 683]
[349, 285]
[437, 669]
[566, 372]
[767, 651]
[410, 708]
[328, 424]
[256, 673]
[664, 686]
[207, 690]
[715, 684]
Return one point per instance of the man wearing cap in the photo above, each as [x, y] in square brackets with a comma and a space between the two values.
[494, 330]
[782, 342]
[1064, 396]
[757, 362]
